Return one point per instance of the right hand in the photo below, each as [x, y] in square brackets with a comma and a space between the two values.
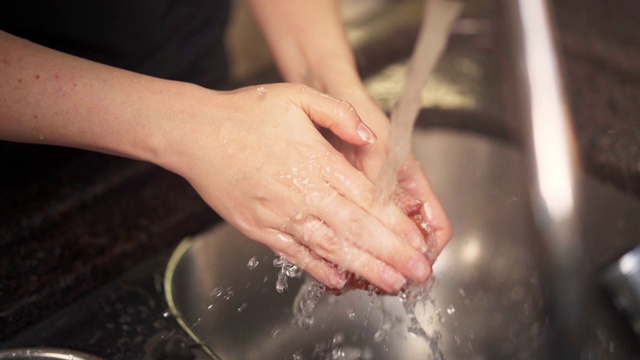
[257, 158]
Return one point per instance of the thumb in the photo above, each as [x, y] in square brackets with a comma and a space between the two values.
[339, 116]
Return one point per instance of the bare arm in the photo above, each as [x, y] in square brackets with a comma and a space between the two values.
[308, 42]
[235, 148]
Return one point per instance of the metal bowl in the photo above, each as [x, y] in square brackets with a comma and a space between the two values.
[486, 302]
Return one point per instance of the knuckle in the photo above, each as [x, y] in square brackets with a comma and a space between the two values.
[344, 109]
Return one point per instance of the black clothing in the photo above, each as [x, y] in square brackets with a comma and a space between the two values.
[172, 39]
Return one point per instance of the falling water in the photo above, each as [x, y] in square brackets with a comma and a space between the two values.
[438, 17]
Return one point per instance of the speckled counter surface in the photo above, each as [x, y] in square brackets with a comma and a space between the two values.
[73, 220]
[601, 44]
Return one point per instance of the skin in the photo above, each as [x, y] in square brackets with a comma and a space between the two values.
[316, 52]
[286, 164]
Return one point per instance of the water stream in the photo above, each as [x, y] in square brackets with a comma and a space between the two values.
[438, 17]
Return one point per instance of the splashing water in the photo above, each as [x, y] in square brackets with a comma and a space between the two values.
[287, 270]
[306, 300]
[253, 263]
[438, 17]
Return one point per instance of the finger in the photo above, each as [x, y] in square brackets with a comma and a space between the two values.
[413, 180]
[353, 225]
[406, 202]
[322, 270]
[354, 186]
[325, 242]
[336, 115]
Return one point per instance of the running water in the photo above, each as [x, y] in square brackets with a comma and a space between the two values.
[438, 17]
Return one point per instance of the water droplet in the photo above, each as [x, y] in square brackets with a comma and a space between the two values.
[379, 336]
[275, 332]
[262, 91]
[217, 292]
[352, 314]
[451, 310]
[242, 307]
[253, 262]
[41, 137]
[229, 293]
[166, 314]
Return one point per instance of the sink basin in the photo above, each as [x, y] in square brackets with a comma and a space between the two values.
[487, 299]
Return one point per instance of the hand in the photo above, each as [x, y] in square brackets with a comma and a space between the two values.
[411, 177]
[257, 158]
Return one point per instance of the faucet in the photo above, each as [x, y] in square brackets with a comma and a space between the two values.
[553, 171]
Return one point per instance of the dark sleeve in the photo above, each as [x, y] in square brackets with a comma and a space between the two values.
[172, 39]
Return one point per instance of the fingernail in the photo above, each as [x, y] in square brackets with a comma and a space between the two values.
[393, 279]
[420, 269]
[366, 134]
[338, 281]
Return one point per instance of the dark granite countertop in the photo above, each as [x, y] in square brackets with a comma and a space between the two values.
[73, 220]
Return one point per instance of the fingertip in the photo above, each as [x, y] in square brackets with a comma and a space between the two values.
[392, 281]
[420, 269]
[328, 274]
[366, 134]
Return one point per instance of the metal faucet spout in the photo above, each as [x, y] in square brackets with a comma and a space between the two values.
[552, 153]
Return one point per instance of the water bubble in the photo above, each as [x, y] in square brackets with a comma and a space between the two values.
[352, 314]
[281, 283]
[261, 90]
[229, 293]
[451, 310]
[217, 292]
[379, 336]
[242, 307]
[287, 269]
[275, 332]
[253, 262]
[198, 321]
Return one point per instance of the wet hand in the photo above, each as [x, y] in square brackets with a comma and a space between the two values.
[412, 179]
[256, 156]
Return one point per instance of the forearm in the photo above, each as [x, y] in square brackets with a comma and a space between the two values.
[308, 42]
[53, 98]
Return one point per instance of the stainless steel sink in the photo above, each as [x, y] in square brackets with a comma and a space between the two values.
[487, 300]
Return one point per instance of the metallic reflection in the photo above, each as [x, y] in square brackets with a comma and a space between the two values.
[488, 274]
